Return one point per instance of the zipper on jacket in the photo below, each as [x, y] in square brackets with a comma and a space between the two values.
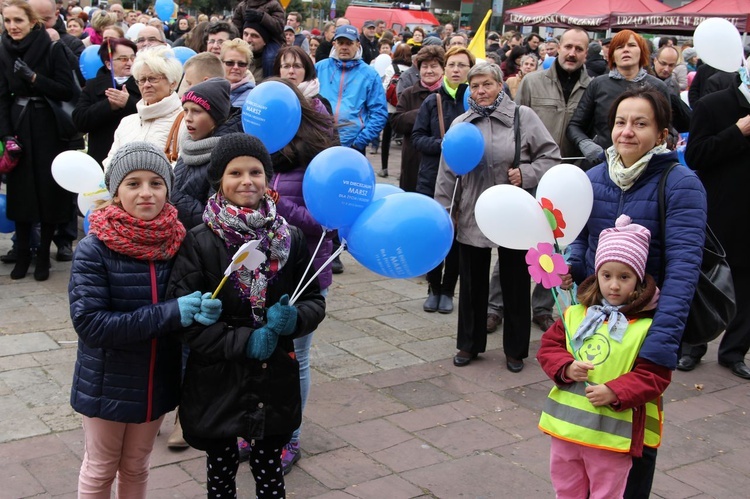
[152, 362]
[341, 90]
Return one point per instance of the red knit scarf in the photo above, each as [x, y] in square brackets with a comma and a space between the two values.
[157, 239]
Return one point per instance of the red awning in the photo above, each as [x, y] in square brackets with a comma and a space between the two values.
[586, 14]
[687, 17]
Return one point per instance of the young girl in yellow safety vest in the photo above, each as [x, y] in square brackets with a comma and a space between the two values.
[606, 404]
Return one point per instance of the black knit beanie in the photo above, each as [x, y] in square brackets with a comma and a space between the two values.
[213, 96]
[262, 31]
[233, 146]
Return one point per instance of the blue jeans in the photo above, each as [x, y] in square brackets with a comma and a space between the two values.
[302, 352]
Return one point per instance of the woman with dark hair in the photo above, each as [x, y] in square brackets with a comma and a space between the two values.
[415, 42]
[401, 62]
[628, 182]
[108, 97]
[430, 62]
[35, 75]
[628, 63]
[512, 65]
[293, 64]
[179, 29]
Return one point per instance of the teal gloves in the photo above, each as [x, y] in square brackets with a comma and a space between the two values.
[189, 306]
[281, 320]
[210, 310]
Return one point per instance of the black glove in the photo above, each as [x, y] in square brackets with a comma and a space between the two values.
[253, 16]
[23, 71]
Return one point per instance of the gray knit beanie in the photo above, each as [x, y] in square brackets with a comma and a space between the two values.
[137, 156]
[232, 146]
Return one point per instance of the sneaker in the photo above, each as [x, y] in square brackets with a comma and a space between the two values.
[290, 454]
[243, 446]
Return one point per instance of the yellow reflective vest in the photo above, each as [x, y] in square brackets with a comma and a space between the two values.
[570, 416]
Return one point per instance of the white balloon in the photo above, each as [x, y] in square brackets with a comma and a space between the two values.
[569, 189]
[510, 217]
[380, 63]
[718, 44]
[87, 200]
[133, 31]
[75, 171]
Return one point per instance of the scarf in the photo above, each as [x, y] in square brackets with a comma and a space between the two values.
[197, 152]
[33, 48]
[485, 110]
[309, 88]
[617, 323]
[236, 225]
[157, 239]
[121, 79]
[616, 75]
[432, 87]
[624, 177]
[169, 105]
[249, 78]
[448, 89]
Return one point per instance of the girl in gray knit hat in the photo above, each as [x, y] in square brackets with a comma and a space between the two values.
[127, 373]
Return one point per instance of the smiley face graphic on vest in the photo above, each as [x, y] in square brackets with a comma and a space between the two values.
[595, 349]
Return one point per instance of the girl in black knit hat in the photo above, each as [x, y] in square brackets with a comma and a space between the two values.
[242, 378]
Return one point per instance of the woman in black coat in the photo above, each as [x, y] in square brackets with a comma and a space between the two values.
[34, 71]
[242, 378]
[103, 103]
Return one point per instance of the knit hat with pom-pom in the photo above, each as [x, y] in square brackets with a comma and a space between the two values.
[626, 243]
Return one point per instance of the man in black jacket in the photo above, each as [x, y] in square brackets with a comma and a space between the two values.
[369, 42]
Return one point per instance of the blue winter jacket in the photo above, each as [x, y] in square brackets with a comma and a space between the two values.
[685, 200]
[239, 94]
[128, 366]
[357, 97]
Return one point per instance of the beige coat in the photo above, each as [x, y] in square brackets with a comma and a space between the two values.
[542, 92]
[539, 153]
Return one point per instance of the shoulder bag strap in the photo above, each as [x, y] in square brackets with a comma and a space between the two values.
[440, 114]
[171, 149]
[663, 220]
[517, 137]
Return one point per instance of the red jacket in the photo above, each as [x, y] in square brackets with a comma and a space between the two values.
[644, 383]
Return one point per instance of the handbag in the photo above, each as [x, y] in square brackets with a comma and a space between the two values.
[10, 159]
[172, 148]
[713, 305]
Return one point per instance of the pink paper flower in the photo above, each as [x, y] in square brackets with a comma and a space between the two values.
[546, 266]
[554, 217]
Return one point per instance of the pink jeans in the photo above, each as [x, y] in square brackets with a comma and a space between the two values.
[116, 449]
[578, 471]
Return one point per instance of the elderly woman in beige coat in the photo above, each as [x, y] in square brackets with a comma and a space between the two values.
[494, 114]
[157, 72]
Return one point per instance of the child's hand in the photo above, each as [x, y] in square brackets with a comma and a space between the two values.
[578, 371]
[600, 395]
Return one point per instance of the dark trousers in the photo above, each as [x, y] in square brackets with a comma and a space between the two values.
[444, 283]
[385, 145]
[474, 272]
[67, 232]
[641, 475]
[736, 340]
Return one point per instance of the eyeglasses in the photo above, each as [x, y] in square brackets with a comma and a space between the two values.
[215, 41]
[458, 65]
[231, 64]
[124, 58]
[150, 39]
[290, 66]
[153, 80]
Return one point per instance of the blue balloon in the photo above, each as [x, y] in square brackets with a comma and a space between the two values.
[89, 62]
[164, 9]
[463, 147]
[86, 223]
[383, 190]
[548, 62]
[183, 54]
[272, 113]
[467, 94]
[338, 185]
[681, 155]
[6, 226]
[402, 235]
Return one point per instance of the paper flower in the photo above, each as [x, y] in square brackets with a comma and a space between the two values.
[246, 256]
[546, 266]
[554, 217]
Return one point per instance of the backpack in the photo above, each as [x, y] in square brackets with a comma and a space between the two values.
[390, 93]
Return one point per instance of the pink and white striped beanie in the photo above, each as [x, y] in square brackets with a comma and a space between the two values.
[626, 243]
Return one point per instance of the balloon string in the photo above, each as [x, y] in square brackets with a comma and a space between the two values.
[325, 264]
[565, 326]
[453, 199]
[312, 257]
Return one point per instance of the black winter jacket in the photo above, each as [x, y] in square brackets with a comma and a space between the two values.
[191, 188]
[426, 137]
[224, 393]
[128, 366]
[93, 114]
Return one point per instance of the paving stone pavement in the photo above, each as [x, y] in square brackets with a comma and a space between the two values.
[389, 416]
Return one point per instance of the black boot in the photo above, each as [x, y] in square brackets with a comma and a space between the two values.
[23, 260]
[41, 271]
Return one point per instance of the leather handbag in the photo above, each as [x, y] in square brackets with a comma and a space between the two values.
[713, 305]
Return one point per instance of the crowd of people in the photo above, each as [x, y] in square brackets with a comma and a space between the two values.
[188, 189]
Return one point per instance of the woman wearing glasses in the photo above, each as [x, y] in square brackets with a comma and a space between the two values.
[108, 97]
[157, 73]
[237, 56]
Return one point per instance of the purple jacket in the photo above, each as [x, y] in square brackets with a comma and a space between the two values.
[292, 207]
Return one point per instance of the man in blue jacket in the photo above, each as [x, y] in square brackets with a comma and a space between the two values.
[354, 90]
